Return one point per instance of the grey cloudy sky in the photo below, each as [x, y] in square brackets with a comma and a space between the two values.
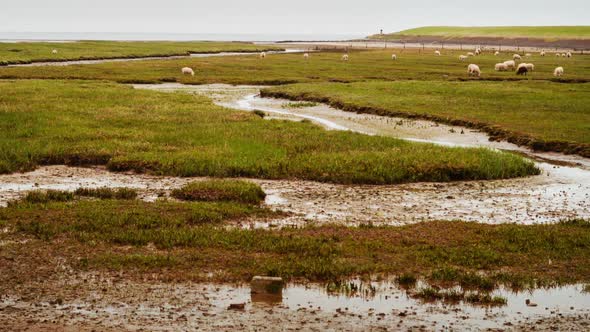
[286, 17]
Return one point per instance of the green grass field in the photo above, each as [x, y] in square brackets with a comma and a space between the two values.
[89, 123]
[113, 234]
[560, 111]
[541, 32]
[321, 67]
[27, 52]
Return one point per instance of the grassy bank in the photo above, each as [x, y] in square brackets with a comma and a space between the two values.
[180, 240]
[85, 123]
[541, 32]
[27, 52]
[505, 110]
[321, 67]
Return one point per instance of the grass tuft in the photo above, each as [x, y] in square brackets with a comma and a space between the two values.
[46, 196]
[107, 193]
[221, 190]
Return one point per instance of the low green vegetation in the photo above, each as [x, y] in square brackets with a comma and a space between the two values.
[301, 104]
[412, 64]
[540, 32]
[453, 296]
[40, 197]
[107, 193]
[27, 52]
[48, 196]
[190, 243]
[504, 109]
[221, 190]
[90, 123]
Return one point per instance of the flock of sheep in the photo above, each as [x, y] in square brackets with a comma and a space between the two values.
[472, 69]
[521, 69]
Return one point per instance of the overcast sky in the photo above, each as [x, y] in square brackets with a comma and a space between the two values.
[274, 16]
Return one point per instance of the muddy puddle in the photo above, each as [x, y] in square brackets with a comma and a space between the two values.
[91, 300]
[192, 55]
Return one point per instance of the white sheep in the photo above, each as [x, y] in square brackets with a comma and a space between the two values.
[463, 57]
[262, 55]
[501, 67]
[473, 70]
[558, 72]
[306, 56]
[54, 52]
[528, 55]
[497, 53]
[542, 53]
[557, 55]
[563, 55]
[470, 54]
[530, 66]
[569, 54]
[437, 53]
[345, 57]
[516, 57]
[478, 51]
[393, 57]
[510, 63]
[188, 71]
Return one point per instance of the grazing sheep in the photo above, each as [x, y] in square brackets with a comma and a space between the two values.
[188, 71]
[473, 70]
[557, 55]
[516, 57]
[463, 57]
[393, 57]
[558, 72]
[522, 69]
[437, 53]
[54, 52]
[478, 51]
[345, 57]
[569, 54]
[530, 66]
[497, 53]
[470, 54]
[542, 53]
[510, 64]
[528, 55]
[262, 55]
[501, 67]
[306, 56]
[563, 55]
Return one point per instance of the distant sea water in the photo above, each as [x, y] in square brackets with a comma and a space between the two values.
[122, 36]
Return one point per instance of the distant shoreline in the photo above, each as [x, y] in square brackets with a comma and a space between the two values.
[107, 36]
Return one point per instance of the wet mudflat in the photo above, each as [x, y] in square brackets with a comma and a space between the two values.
[88, 301]
[527, 201]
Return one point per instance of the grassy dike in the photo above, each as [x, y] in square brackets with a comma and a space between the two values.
[540, 32]
[90, 123]
[502, 109]
[29, 52]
